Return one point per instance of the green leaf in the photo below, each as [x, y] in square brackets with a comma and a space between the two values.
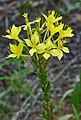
[76, 95]
[80, 87]
[52, 105]
[66, 117]
[64, 96]
[5, 92]
[46, 97]
[44, 106]
[76, 113]
[48, 86]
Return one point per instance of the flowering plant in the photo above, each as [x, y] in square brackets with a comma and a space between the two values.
[44, 41]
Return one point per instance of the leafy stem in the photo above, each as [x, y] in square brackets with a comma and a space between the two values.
[47, 104]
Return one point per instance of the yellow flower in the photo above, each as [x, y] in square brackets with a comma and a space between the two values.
[48, 48]
[51, 45]
[55, 29]
[58, 51]
[28, 24]
[66, 33]
[35, 44]
[16, 50]
[13, 33]
[50, 20]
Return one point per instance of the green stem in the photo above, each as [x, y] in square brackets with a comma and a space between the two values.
[47, 103]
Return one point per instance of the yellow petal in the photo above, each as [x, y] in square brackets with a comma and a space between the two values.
[18, 30]
[32, 51]
[60, 43]
[13, 48]
[7, 36]
[60, 55]
[20, 48]
[50, 26]
[56, 53]
[46, 55]
[58, 18]
[51, 19]
[35, 38]
[8, 31]
[66, 33]
[17, 50]
[44, 16]
[28, 42]
[65, 49]
[56, 29]
[25, 15]
[49, 44]
[15, 29]
[12, 55]
[15, 32]
[40, 48]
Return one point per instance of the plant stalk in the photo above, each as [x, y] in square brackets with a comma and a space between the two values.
[47, 104]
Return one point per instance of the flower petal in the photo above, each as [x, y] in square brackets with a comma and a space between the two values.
[49, 44]
[56, 53]
[56, 29]
[44, 16]
[32, 51]
[12, 55]
[28, 42]
[13, 48]
[7, 36]
[60, 55]
[58, 18]
[66, 33]
[20, 48]
[8, 31]
[65, 49]
[15, 30]
[35, 38]
[40, 48]
[46, 55]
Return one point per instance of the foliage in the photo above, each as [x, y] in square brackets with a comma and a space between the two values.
[15, 86]
[76, 113]
[65, 117]
[71, 8]
[76, 95]
[64, 96]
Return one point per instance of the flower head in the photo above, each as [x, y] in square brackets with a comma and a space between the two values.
[48, 48]
[45, 39]
[65, 33]
[59, 49]
[13, 33]
[16, 50]
[51, 20]
[32, 43]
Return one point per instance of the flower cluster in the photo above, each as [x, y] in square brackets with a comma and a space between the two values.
[47, 39]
